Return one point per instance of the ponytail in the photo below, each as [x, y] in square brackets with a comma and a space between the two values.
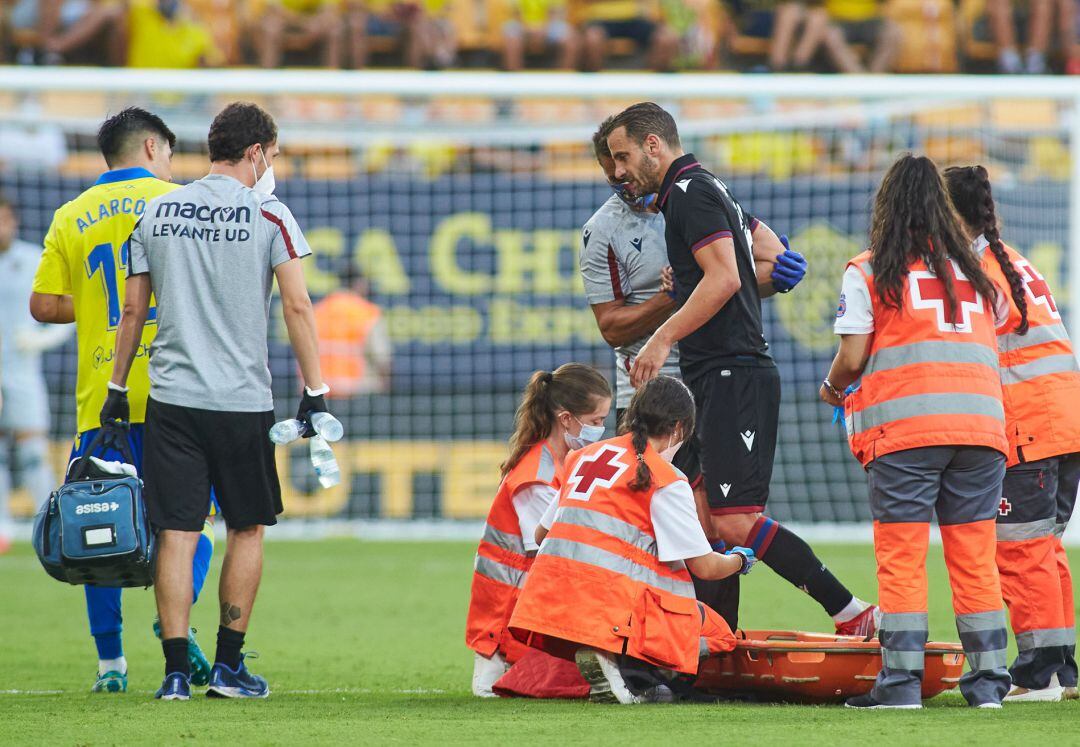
[534, 418]
[574, 387]
[969, 187]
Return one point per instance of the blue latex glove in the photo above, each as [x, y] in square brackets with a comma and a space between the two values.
[838, 412]
[748, 558]
[789, 270]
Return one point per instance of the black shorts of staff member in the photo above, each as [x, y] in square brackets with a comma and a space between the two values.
[738, 412]
[187, 450]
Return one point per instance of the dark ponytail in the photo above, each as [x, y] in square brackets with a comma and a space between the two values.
[914, 219]
[656, 410]
[573, 387]
[969, 187]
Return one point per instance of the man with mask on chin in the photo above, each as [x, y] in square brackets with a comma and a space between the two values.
[623, 257]
[210, 252]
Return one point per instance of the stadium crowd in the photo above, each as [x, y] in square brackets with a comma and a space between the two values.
[847, 36]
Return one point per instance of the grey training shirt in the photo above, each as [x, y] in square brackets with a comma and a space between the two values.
[210, 249]
[623, 253]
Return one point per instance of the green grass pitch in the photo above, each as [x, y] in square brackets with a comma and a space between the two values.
[362, 643]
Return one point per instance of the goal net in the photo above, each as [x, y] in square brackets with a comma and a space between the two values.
[457, 201]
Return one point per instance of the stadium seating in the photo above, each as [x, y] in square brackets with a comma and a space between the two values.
[928, 29]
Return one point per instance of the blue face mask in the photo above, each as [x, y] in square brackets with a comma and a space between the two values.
[635, 203]
[589, 434]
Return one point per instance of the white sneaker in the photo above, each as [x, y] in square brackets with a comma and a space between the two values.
[989, 705]
[606, 684]
[1046, 694]
[486, 672]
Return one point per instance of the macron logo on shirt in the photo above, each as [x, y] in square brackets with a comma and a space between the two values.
[683, 184]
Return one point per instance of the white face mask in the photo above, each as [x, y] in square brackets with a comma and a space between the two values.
[264, 184]
[589, 434]
[669, 453]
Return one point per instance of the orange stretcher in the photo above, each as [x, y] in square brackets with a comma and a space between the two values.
[792, 666]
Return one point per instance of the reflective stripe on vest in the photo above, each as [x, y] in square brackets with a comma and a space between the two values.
[609, 561]
[497, 571]
[605, 524]
[1050, 364]
[505, 540]
[931, 351]
[954, 403]
[1035, 336]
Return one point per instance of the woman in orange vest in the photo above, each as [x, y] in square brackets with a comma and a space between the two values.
[1041, 387]
[561, 410]
[917, 322]
[610, 585]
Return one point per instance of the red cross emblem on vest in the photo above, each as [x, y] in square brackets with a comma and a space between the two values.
[928, 292]
[1038, 288]
[1004, 507]
[601, 469]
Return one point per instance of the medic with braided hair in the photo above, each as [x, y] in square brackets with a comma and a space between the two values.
[1041, 388]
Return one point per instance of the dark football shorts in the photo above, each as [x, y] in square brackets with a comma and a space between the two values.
[187, 450]
[738, 412]
[687, 459]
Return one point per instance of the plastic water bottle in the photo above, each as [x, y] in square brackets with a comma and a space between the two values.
[322, 459]
[286, 431]
[327, 426]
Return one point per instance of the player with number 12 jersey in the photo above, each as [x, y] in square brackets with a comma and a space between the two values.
[85, 257]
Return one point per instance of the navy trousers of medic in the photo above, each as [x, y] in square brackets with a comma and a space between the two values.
[963, 486]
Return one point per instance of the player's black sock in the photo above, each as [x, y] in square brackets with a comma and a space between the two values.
[787, 554]
[176, 659]
[229, 643]
[722, 596]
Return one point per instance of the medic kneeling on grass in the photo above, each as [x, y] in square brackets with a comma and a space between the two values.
[610, 586]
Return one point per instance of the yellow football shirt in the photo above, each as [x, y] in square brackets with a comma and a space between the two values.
[85, 256]
[154, 41]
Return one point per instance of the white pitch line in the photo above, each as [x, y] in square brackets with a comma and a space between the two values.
[32, 692]
[332, 691]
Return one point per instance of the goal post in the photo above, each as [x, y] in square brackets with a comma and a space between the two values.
[459, 197]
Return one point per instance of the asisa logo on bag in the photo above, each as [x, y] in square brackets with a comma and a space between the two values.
[96, 508]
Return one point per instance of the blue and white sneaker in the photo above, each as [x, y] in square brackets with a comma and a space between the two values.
[110, 682]
[226, 683]
[200, 667]
[175, 687]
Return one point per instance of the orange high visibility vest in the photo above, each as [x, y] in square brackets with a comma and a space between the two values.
[344, 320]
[1040, 379]
[501, 564]
[597, 580]
[931, 380]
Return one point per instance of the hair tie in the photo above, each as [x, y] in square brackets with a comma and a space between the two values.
[547, 377]
[641, 457]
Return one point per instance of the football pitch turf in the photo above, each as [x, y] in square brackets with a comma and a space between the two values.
[362, 642]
